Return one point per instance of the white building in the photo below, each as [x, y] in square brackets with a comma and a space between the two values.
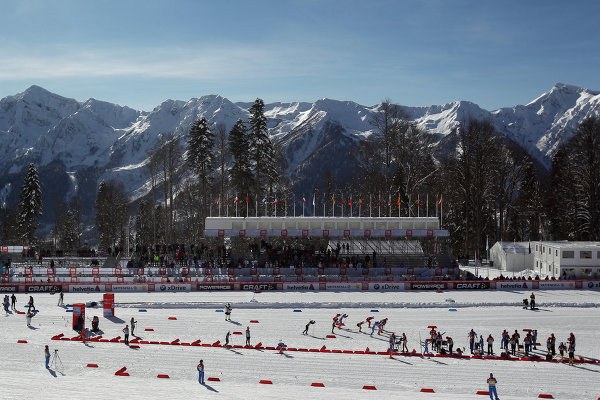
[512, 256]
[567, 259]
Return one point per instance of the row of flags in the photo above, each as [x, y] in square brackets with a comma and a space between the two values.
[393, 202]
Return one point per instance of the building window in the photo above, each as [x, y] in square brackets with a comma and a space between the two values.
[568, 254]
[585, 254]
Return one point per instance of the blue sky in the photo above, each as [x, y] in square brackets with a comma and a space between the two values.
[139, 53]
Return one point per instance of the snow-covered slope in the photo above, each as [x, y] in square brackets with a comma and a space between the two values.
[115, 141]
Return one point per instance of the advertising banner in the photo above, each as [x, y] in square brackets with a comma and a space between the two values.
[591, 285]
[43, 288]
[472, 285]
[117, 288]
[9, 289]
[387, 287]
[549, 285]
[300, 286]
[350, 286]
[428, 285]
[214, 286]
[258, 286]
[173, 287]
[86, 288]
[511, 285]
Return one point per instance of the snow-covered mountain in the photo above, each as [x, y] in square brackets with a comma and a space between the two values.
[85, 142]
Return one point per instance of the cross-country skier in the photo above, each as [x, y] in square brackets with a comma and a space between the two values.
[532, 301]
[95, 323]
[126, 334]
[375, 326]
[481, 343]
[534, 338]
[490, 343]
[359, 325]
[6, 303]
[450, 344]
[504, 341]
[61, 298]
[28, 317]
[305, 331]
[382, 326]
[392, 346]
[553, 344]
[425, 346]
[228, 312]
[571, 351]
[527, 344]
[133, 323]
[404, 345]
[561, 350]
[517, 336]
[341, 320]
[200, 369]
[227, 338]
[513, 345]
[369, 319]
[571, 339]
[47, 356]
[281, 346]
[13, 302]
[247, 336]
[31, 304]
[492, 387]
[472, 336]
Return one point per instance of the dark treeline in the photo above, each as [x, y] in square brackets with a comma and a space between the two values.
[485, 189]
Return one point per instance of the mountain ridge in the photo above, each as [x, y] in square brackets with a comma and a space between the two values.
[102, 140]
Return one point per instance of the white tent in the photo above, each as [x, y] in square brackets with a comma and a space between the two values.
[512, 256]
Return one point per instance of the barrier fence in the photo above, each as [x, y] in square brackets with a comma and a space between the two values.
[383, 286]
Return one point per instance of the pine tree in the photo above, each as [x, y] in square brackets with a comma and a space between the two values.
[111, 214]
[200, 156]
[30, 205]
[240, 173]
[262, 151]
[144, 224]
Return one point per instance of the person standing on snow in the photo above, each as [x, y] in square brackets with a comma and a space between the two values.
[133, 322]
[404, 345]
[227, 338]
[47, 356]
[472, 336]
[247, 336]
[61, 298]
[126, 334]
[200, 369]
[28, 317]
[228, 312]
[450, 344]
[490, 343]
[13, 302]
[491, 381]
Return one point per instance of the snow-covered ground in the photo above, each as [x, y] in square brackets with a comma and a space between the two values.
[23, 374]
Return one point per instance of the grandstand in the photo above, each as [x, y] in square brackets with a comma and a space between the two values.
[356, 249]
